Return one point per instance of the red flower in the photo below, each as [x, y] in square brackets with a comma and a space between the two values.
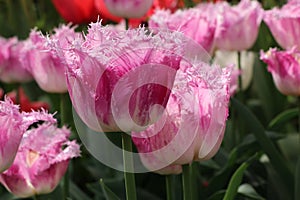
[25, 104]
[157, 4]
[76, 11]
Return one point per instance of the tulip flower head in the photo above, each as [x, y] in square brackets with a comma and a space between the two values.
[285, 69]
[41, 161]
[240, 25]
[44, 64]
[284, 23]
[13, 126]
[76, 11]
[194, 123]
[121, 80]
[128, 8]
[12, 69]
[198, 24]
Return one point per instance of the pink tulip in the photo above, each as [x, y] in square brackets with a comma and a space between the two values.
[13, 126]
[44, 63]
[41, 161]
[121, 81]
[12, 69]
[285, 69]
[199, 24]
[240, 25]
[194, 122]
[284, 24]
[128, 8]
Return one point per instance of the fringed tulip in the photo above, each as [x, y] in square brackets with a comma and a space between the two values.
[194, 122]
[13, 126]
[117, 79]
[284, 24]
[239, 23]
[12, 69]
[128, 8]
[285, 69]
[41, 161]
[76, 11]
[198, 24]
[44, 63]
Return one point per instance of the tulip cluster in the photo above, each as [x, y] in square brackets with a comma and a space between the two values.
[217, 28]
[32, 160]
[284, 65]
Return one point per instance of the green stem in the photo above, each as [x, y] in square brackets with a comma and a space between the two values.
[35, 197]
[186, 182]
[128, 167]
[63, 107]
[240, 81]
[240, 69]
[297, 180]
[18, 100]
[299, 118]
[297, 170]
[66, 179]
[126, 23]
[26, 6]
[10, 14]
[169, 187]
[194, 182]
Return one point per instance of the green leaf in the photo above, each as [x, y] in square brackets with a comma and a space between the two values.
[146, 195]
[266, 144]
[218, 195]
[109, 195]
[248, 191]
[221, 178]
[250, 142]
[7, 196]
[76, 193]
[297, 180]
[236, 179]
[272, 101]
[283, 118]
